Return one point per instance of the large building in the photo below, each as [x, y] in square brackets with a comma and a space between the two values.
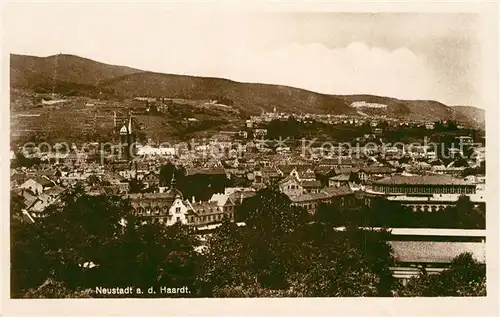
[170, 207]
[343, 197]
[432, 249]
[437, 202]
[423, 185]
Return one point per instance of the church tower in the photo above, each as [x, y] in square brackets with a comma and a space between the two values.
[127, 139]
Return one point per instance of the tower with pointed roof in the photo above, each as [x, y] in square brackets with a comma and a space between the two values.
[127, 139]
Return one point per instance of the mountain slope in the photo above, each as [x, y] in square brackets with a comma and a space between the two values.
[252, 97]
[32, 71]
[69, 73]
[473, 114]
[246, 96]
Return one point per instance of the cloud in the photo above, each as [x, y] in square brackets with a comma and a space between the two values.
[410, 56]
[353, 69]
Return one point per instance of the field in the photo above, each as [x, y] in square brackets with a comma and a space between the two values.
[81, 119]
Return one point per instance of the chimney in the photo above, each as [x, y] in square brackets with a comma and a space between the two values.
[193, 200]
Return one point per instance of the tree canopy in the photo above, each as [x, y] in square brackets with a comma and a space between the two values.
[85, 242]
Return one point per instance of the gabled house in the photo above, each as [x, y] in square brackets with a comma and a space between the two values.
[291, 186]
[375, 172]
[311, 186]
[224, 202]
[178, 212]
[339, 180]
[204, 213]
[344, 197]
[350, 180]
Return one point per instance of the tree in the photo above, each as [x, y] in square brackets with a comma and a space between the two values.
[16, 209]
[96, 241]
[56, 289]
[166, 173]
[80, 232]
[136, 186]
[24, 161]
[151, 255]
[270, 211]
[226, 260]
[465, 277]
[279, 253]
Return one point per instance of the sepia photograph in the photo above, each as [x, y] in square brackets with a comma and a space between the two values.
[158, 153]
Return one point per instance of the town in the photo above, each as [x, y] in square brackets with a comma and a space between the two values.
[413, 176]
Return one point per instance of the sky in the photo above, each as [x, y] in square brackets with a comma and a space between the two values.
[404, 55]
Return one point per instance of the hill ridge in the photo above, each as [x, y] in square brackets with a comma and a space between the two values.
[81, 75]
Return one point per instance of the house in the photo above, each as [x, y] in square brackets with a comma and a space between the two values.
[345, 170]
[328, 162]
[203, 213]
[283, 149]
[342, 196]
[350, 180]
[224, 202]
[127, 173]
[178, 212]
[157, 207]
[464, 140]
[370, 172]
[306, 174]
[339, 180]
[302, 173]
[260, 132]
[311, 186]
[291, 186]
[240, 195]
[269, 175]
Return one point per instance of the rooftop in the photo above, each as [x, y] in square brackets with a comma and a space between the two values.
[326, 193]
[340, 177]
[435, 252]
[310, 184]
[421, 180]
